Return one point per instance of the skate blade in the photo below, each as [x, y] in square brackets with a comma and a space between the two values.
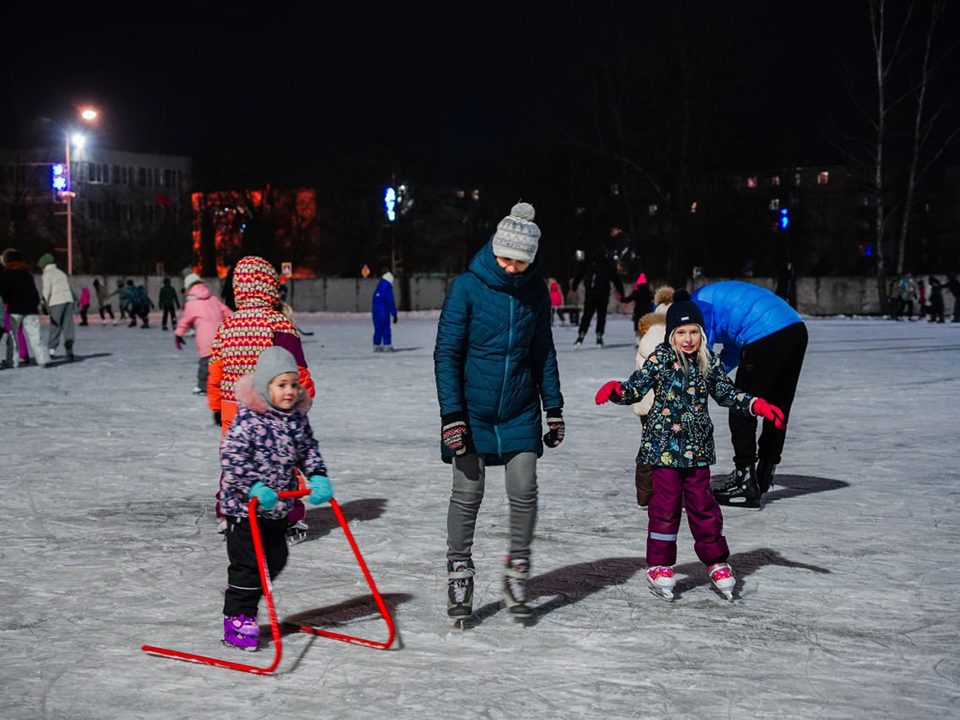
[661, 593]
[237, 647]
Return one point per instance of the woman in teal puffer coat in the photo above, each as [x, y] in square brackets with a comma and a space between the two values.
[496, 366]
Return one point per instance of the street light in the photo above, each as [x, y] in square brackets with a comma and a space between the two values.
[88, 114]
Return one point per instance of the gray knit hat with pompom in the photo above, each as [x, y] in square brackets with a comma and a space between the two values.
[517, 236]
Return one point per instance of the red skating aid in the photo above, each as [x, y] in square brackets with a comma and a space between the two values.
[268, 594]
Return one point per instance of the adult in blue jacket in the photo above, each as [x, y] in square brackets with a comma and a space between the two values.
[766, 337]
[496, 365]
[383, 308]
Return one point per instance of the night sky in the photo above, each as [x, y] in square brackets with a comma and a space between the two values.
[452, 94]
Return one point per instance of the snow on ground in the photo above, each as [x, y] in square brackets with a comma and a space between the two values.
[848, 583]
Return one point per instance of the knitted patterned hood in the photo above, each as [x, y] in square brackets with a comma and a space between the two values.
[255, 283]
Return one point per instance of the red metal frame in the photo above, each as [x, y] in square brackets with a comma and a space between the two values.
[268, 594]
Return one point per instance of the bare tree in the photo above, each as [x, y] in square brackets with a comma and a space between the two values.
[884, 61]
[923, 127]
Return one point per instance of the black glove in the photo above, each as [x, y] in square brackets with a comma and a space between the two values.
[394, 319]
[217, 420]
[454, 432]
[179, 341]
[557, 428]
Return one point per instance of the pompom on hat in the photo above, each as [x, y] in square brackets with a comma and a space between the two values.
[517, 236]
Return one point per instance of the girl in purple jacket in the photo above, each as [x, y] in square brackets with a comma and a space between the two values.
[270, 439]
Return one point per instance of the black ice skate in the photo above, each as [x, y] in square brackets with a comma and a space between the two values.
[765, 473]
[741, 489]
[460, 589]
[516, 572]
[579, 341]
[599, 340]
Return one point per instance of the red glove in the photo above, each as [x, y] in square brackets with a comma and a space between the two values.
[769, 412]
[611, 391]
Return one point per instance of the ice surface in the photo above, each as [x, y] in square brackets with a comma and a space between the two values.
[847, 600]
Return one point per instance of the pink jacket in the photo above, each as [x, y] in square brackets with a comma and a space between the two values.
[556, 296]
[85, 297]
[204, 312]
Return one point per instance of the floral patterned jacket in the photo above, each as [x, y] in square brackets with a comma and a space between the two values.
[678, 432]
[265, 445]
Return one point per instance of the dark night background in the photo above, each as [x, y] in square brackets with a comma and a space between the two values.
[473, 96]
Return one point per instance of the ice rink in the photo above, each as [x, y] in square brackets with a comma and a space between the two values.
[847, 600]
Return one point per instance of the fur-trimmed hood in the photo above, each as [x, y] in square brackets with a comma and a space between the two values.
[246, 395]
[649, 320]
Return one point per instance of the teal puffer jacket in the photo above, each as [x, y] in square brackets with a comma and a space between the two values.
[495, 360]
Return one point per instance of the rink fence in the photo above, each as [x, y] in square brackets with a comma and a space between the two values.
[815, 296]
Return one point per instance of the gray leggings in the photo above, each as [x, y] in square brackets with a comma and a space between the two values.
[468, 483]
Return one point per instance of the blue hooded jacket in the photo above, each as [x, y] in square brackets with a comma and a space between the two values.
[383, 302]
[738, 313]
[495, 359]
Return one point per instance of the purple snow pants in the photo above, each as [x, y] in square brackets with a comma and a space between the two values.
[703, 514]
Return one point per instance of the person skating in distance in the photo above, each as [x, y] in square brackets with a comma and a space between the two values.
[678, 442]
[496, 366]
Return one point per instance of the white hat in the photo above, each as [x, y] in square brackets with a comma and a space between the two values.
[191, 279]
[517, 236]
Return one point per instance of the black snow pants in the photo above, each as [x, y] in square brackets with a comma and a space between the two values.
[243, 576]
[593, 303]
[769, 368]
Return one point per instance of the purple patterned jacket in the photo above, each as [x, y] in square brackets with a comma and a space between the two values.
[265, 445]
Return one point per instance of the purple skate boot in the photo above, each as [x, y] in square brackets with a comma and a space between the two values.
[241, 631]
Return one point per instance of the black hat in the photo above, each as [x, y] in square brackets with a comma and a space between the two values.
[683, 311]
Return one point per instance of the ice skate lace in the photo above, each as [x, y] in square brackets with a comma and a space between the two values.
[658, 572]
[460, 581]
[518, 585]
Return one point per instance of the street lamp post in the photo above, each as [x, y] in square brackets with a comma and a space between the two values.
[88, 114]
[69, 207]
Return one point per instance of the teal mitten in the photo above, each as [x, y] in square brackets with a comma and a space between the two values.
[321, 489]
[264, 495]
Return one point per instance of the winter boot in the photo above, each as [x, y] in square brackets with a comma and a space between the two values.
[740, 490]
[241, 631]
[661, 581]
[765, 472]
[460, 588]
[68, 345]
[721, 575]
[378, 348]
[516, 572]
[579, 341]
[599, 340]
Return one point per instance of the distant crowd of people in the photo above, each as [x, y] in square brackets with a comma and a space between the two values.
[21, 305]
[924, 296]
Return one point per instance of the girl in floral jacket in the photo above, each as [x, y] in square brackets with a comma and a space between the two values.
[269, 439]
[678, 442]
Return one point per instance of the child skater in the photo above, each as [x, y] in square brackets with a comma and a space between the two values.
[269, 438]
[678, 442]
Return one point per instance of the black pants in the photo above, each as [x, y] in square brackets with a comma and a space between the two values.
[83, 314]
[770, 369]
[243, 576]
[593, 303]
[173, 316]
[104, 309]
